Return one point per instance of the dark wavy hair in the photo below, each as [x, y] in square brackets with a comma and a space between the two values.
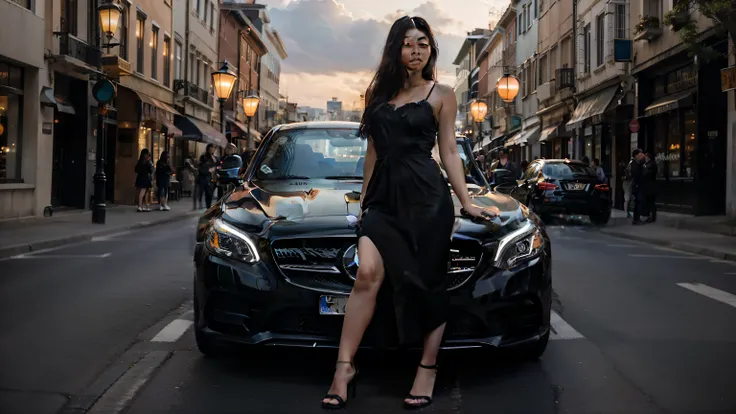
[391, 73]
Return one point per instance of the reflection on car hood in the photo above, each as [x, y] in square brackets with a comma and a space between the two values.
[326, 203]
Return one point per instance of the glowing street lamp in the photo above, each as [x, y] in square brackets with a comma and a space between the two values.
[223, 80]
[250, 106]
[109, 18]
[507, 87]
[478, 109]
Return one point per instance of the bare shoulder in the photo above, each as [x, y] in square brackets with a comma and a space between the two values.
[444, 90]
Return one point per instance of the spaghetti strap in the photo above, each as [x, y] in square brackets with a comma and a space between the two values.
[430, 91]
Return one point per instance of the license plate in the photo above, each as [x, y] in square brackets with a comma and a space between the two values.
[332, 305]
[576, 186]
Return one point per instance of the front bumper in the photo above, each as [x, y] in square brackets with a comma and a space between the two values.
[552, 204]
[255, 305]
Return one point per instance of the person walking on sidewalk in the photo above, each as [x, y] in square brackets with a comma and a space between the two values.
[407, 214]
[205, 168]
[143, 177]
[637, 183]
[650, 190]
[163, 181]
[627, 184]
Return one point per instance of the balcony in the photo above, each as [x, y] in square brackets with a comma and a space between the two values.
[546, 90]
[509, 55]
[188, 89]
[115, 66]
[564, 78]
[648, 29]
[78, 52]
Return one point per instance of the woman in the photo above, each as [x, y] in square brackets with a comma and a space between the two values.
[407, 213]
[205, 169]
[163, 181]
[143, 177]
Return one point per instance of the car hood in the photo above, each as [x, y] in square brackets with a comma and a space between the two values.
[325, 206]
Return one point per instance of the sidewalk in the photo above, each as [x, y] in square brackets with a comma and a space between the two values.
[35, 233]
[710, 244]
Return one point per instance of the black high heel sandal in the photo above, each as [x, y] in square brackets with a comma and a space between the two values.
[426, 400]
[351, 391]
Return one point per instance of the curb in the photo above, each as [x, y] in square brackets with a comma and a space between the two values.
[18, 249]
[689, 248]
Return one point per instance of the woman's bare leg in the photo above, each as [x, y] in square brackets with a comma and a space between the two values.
[424, 380]
[141, 193]
[358, 313]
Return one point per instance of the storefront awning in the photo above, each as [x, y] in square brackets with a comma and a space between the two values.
[591, 106]
[255, 135]
[669, 102]
[171, 129]
[197, 130]
[513, 140]
[527, 136]
[164, 106]
[48, 99]
[549, 133]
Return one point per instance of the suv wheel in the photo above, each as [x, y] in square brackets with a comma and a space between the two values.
[206, 344]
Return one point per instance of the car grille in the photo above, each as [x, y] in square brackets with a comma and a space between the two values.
[317, 263]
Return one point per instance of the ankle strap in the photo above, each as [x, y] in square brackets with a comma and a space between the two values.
[435, 366]
[345, 362]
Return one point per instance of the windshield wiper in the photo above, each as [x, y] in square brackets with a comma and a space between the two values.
[344, 177]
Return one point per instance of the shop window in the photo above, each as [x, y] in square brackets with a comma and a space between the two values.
[660, 145]
[597, 142]
[690, 131]
[588, 151]
[674, 145]
[11, 116]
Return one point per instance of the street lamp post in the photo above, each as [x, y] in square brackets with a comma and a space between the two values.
[250, 106]
[223, 81]
[104, 91]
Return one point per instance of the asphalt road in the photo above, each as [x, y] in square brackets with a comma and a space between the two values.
[649, 330]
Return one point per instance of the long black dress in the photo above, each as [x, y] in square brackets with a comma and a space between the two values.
[408, 214]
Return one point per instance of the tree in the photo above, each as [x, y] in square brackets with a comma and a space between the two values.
[722, 12]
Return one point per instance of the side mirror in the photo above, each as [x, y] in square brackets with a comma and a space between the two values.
[229, 169]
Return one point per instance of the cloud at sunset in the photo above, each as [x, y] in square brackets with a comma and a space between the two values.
[333, 51]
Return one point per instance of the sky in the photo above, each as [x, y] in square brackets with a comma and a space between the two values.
[335, 45]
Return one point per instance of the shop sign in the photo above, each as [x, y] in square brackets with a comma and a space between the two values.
[728, 79]
[515, 122]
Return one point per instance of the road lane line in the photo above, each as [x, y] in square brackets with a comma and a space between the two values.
[713, 293]
[668, 256]
[61, 256]
[562, 329]
[110, 236]
[173, 331]
[622, 245]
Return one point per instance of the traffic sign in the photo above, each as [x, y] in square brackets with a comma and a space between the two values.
[634, 125]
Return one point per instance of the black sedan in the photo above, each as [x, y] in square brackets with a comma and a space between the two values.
[561, 187]
[276, 257]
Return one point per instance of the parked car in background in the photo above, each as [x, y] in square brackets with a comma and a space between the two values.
[562, 187]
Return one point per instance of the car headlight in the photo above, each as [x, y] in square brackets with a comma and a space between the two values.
[228, 241]
[522, 244]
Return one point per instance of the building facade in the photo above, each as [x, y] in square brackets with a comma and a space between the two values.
[554, 92]
[241, 43]
[675, 99]
[603, 87]
[26, 125]
[490, 64]
[466, 87]
[196, 24]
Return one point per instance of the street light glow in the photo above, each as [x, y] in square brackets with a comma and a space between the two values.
[507, 88]
[478, 109]
[223, 81]
[250, 105]
[109, 18]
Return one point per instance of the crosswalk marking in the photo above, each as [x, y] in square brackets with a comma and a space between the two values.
[713, 293]
[173, 331]
[562, 329]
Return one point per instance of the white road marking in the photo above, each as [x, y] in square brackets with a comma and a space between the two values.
[669, 256]
[562, 329]
[713, 293]
[34, 255]
[109, 236]
[173, 331]
[622, 245]
[730, 273]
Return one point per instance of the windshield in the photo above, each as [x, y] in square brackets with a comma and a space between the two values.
[567, 171]
[313, 153]
[472, 175]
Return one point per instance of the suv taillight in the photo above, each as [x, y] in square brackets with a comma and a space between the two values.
[602, 187]
[544, 186]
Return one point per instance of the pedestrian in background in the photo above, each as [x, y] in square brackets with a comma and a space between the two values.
[596, 165]
[637, 183]
[163, 181]
[205, 170]
[143, 178]
[627, 183]
[650, 190]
